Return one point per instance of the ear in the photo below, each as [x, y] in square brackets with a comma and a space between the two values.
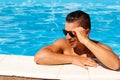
[87, 31]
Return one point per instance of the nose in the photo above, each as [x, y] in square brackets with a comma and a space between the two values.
[68, 36]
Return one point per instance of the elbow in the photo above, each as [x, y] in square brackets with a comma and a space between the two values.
[116, 66]
[39, 58]
[42, 58]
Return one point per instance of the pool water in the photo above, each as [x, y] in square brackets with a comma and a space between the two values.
[27, 26]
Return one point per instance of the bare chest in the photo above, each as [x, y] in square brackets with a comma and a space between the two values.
[79, 52]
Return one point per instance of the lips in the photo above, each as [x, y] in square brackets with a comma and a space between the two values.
[71, 42]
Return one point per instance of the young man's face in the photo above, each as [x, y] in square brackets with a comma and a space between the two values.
[70, 35]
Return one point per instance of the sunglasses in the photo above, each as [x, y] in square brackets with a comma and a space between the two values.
[69, 32]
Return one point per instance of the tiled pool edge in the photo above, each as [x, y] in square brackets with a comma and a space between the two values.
[63, 72]
[6, 69]
[22, 70]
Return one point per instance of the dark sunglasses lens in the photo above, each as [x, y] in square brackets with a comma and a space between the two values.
[70, 33]
[65, 32]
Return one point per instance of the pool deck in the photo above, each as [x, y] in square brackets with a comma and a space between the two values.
[24, 66]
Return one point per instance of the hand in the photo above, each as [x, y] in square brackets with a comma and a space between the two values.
[84, 61]
[81, 34]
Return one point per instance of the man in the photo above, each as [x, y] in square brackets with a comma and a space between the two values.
[77, 48]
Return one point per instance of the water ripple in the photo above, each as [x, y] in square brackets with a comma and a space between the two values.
[37, 23]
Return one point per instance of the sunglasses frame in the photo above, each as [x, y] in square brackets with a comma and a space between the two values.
[69, 32]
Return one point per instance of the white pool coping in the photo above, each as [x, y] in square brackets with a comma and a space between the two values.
[24, 66]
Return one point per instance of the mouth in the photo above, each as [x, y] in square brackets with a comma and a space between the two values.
[71, 42]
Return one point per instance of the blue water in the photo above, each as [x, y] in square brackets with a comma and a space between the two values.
[28, 25]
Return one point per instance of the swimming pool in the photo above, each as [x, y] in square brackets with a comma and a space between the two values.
[27, 26]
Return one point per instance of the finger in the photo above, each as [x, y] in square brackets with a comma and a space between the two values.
[84, 55]
[76, 29]
[96, 63]
[84, 66]
[90, 63]
[81, 28]
[74, 33]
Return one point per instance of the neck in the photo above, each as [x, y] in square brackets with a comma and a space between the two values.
[80, 49]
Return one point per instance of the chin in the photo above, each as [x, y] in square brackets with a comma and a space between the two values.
[73, 45]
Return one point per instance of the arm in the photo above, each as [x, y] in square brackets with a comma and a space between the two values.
[48, 57]
[102, 52]
[51, 55]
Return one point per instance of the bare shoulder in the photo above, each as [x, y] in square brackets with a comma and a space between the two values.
[61, 43]
[104, 46]
[58, 46]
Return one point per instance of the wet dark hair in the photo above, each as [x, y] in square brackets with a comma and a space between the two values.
[80, 16]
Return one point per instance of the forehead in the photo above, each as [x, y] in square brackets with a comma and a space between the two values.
[71, 25]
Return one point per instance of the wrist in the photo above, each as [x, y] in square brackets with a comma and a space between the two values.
[73, 57]
[85, 41]
[74, 60]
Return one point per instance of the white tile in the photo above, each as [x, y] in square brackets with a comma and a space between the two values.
[73, 72]
[101, 73]
[26, 67]
[2, 57]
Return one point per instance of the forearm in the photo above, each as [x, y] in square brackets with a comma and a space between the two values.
[106, 56]
[51, 58]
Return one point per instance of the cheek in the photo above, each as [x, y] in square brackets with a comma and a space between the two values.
[76, 39]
